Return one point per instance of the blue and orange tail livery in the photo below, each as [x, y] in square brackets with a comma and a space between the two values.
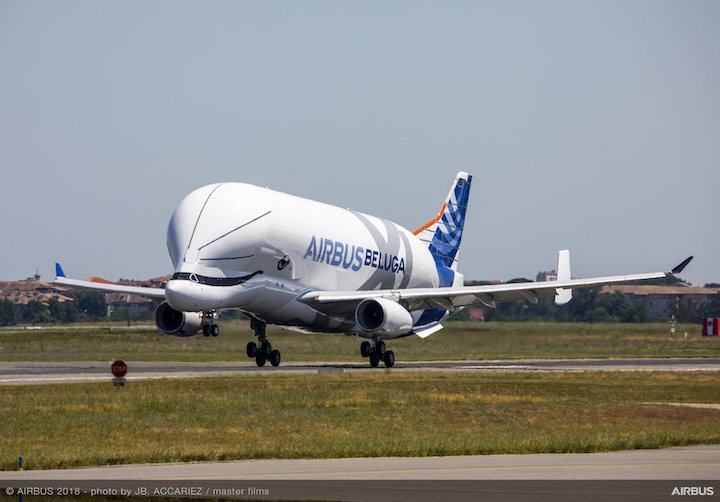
[444, 232]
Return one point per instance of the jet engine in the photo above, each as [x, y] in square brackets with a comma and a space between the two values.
[383, 317]
[173, 322]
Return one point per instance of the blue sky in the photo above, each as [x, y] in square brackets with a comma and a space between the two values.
[593, 126]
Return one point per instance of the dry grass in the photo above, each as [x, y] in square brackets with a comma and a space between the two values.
[458, 341]
[340, 415]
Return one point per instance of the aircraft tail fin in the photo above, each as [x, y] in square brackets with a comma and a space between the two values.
[444, 232]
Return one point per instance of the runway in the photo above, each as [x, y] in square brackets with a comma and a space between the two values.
[693, 462]
[28, 373]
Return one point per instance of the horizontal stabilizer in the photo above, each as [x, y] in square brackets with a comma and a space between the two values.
[426, 332]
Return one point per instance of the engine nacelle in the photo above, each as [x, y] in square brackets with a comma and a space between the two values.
[383, 317]
[173, 322]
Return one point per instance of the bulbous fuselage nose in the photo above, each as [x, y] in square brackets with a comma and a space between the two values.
[214, 240]
[217, 227]
[184, 221]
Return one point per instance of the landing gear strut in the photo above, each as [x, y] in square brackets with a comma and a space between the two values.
[264, 352]
[209, 328]
[377, 353]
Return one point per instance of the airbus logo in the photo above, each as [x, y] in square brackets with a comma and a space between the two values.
[342, 254]
[693, 491]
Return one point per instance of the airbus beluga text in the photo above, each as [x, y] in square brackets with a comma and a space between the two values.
[317, 268]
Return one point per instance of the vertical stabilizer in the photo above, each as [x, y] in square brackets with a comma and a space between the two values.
[443, 233]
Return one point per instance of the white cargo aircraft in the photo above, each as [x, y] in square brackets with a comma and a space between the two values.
[318, 268]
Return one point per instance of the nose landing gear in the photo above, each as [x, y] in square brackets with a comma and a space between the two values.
[377, 353]
[209, 328]
[264, 352]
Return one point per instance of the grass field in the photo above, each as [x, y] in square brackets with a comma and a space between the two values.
[458, 340]
[348, 415]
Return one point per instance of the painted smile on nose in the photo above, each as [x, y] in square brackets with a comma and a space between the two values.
[187, 291]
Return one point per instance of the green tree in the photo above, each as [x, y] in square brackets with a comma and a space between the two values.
[91, 304]
[584, 300]
[64, 312]
[688, 311]
[36, 312]
[7, 313]
[598, 314]
[132, 315]
[713, 307]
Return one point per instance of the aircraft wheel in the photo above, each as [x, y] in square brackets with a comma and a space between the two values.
[389, 359]
[380, 348]
[267, 349]
[260, 359]
[275, 358]
[252, 349]
[365, 349]
[206, 330]
[374, 359]
[214, 330]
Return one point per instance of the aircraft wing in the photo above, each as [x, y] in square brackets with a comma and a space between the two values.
[61, 279]
[450, 298]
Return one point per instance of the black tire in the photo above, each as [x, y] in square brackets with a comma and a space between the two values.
[275, 358]
[389, 359]
[380, 348]
[206, 330]
[374, 359]
[251, 349]
[214, 330]
[365, 349]
[267, 349]
[260, 359]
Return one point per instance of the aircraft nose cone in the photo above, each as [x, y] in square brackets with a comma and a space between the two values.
[182, 295]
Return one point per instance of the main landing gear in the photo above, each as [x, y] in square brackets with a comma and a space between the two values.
[209, 328]
[377, 353]
[265, 351]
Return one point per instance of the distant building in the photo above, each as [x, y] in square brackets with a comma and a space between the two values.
[21, 293]
[134, 303]
[469, 282]
[546, 276]
[124, 301]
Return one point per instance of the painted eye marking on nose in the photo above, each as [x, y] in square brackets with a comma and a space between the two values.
[214, 281]
[284, 262]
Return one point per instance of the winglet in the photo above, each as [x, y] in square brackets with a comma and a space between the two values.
[682, 266]
[59, 272]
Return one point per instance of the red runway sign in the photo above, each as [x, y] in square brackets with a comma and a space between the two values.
[119, 368]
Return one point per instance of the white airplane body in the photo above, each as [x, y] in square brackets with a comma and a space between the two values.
[314, 267]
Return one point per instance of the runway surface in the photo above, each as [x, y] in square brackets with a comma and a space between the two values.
[686, 463]
[25, 373]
